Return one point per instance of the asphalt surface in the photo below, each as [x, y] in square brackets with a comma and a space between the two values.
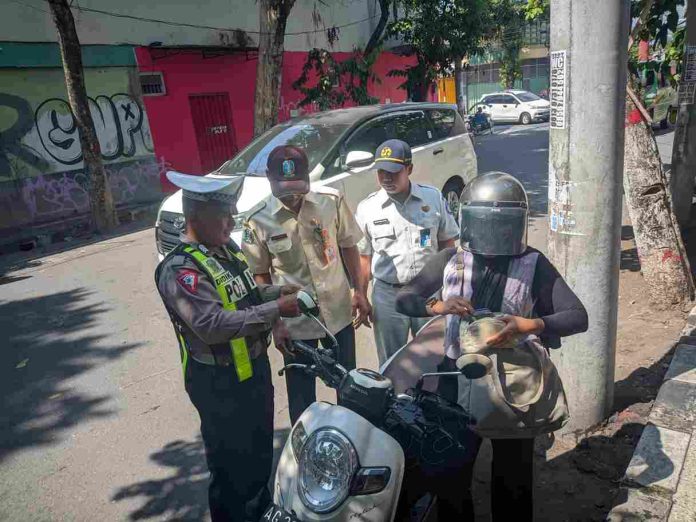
[95, 421]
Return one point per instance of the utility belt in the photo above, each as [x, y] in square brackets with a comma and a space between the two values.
[223, 357]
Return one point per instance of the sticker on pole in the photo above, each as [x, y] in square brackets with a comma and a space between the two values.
[689, 74]
[558, 90]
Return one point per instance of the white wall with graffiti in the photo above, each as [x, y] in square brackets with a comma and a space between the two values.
[41, 169]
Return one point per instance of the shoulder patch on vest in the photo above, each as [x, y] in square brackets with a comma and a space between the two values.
[188, 279]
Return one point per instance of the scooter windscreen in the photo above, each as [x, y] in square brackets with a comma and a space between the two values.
[422, 354]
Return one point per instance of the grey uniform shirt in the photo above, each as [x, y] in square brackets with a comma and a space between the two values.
[193, 297]
[401, 237]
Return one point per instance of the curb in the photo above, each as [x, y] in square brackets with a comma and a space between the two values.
[660, 481]
[46, 234]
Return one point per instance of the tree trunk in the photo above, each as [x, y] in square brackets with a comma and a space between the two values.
[100, 199]
[460, 86]
[376, 36]
[661, 251]
[273, 17]
[681, 181]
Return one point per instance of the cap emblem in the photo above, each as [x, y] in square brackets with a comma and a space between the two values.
[386, 152]
[288, 168]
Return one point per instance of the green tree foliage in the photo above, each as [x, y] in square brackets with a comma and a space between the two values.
[438, 33]
[507, 25]
[537, 9]
[657, 22]
[329, 83]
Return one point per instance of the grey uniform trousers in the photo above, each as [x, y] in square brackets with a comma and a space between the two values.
[391, 328]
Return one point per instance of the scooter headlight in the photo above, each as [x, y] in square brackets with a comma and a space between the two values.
[327, 464]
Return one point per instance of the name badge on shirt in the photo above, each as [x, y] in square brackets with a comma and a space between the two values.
[425, 238]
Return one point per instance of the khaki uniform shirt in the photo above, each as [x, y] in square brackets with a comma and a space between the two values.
[401, 237]
[304, 250]
[193, 297]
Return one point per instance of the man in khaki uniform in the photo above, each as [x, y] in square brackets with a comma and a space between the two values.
[222, 320]
[302, 237]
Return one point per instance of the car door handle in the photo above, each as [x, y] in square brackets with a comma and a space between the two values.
[438, 151]
[505, 106]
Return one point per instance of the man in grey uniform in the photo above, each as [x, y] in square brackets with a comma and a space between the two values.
[403, 224]
[222, 320]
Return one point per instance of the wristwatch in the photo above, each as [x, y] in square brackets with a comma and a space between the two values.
[429, 306]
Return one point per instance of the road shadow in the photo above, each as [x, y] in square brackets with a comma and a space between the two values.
[183, 494]
[45, 346]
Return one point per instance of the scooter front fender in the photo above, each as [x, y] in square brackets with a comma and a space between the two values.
[375, 448]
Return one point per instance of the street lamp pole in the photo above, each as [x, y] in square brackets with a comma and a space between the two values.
[588, 83]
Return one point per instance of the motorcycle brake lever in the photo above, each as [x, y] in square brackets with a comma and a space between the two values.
[291, 366]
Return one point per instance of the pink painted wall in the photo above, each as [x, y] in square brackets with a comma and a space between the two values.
[188, 72]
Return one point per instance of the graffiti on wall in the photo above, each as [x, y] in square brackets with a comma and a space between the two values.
[41, 157]
[47, 138]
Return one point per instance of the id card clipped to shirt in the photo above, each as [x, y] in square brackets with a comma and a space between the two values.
[426, 239]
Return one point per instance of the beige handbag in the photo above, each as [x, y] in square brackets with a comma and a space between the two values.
[520, 396]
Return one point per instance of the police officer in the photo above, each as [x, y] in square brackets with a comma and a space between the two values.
[403, 225]
[222, 320]
[305, 237]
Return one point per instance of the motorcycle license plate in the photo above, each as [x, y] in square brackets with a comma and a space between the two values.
[274, 513]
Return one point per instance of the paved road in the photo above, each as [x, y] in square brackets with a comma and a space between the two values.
[95, 422]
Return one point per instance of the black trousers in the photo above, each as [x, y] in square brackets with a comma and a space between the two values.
[302, 390]
[512, 486]
[237, 431]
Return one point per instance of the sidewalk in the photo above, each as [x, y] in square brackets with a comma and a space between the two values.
[660, 481]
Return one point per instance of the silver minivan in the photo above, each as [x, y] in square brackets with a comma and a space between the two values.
[340, 145]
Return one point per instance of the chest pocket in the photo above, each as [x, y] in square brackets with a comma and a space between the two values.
[279, 245]
[382, 231]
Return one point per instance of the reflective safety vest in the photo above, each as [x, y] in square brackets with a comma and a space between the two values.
[237, 290]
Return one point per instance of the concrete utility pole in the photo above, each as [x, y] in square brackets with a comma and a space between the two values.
[589, 42]
[681, 180]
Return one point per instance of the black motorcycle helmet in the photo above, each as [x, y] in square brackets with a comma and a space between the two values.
[493, 215]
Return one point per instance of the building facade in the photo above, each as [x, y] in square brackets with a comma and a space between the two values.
[171, 86]
[483, 72]
[42, 178]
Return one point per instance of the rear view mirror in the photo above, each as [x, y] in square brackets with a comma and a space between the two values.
[307, 304]
[359, 158]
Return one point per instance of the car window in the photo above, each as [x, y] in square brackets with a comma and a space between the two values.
[413, 128]
[316, 139]
[507, 99]
[494, 100]
[445, 123]
[527, 97]
[366, 138]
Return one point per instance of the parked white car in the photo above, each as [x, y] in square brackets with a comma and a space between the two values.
[340, 145]
[515, 106]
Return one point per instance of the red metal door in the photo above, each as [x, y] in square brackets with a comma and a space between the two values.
[212, 122]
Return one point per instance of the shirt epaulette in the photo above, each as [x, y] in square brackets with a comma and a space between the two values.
[327, 191]
[255, 210]
[368, 197]
[430, 187]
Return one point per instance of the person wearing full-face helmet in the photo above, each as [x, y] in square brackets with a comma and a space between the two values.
[493, 268]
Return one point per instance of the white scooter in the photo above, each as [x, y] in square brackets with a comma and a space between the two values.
[346, 461]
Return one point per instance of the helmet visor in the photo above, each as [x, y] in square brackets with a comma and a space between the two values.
[493, 231]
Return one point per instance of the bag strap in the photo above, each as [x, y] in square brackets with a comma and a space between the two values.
[524, 407]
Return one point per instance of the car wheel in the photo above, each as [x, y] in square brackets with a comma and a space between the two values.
[525, 118]
[452, 192]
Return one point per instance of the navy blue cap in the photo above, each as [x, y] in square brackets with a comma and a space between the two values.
[393, 155]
